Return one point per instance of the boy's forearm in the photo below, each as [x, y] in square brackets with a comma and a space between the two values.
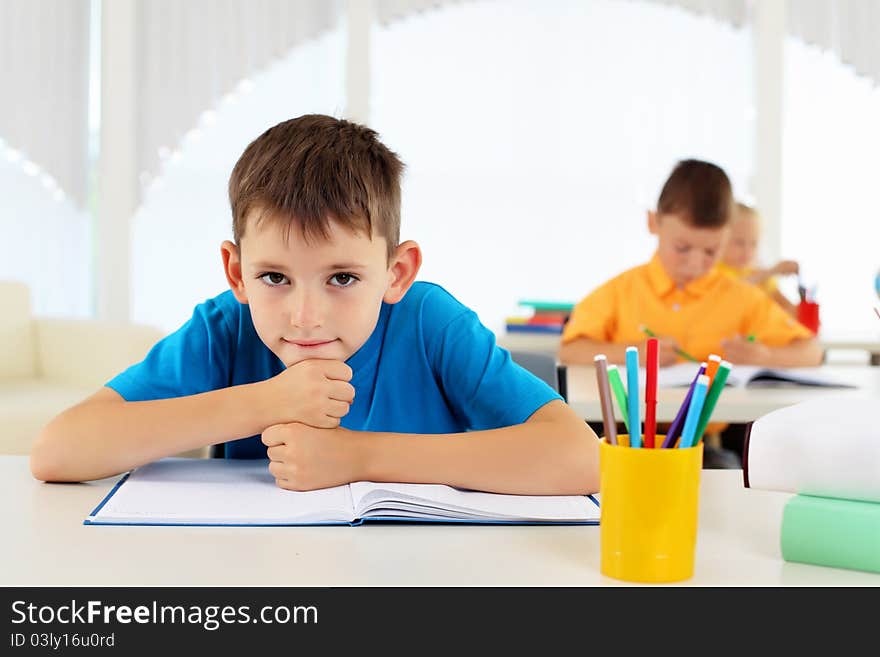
[101, 438]
[557, 456]
[806, 352]
[582, 351]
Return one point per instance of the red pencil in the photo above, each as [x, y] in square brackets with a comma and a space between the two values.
[651, 393]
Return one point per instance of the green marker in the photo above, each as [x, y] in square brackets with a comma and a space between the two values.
[751, 337]
[712, 399]
[680, 352]
[619, 393]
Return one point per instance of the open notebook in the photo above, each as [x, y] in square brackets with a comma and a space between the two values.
[179, 491]
[751, 376]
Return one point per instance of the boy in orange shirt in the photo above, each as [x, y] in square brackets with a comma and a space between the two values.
[682, 297]
[689, 303]
[739, 255]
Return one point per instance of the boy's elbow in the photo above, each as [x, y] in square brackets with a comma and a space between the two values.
[813, 352]
[589, 476]
[42, 464]
[46, 461]
[583, 478]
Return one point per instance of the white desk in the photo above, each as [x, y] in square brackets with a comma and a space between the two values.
[865, 341]
[735, 404]
[45, 543]
[545, 343]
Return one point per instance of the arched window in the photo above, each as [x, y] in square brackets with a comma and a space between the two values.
[185, 215]
[831, 217]
[538, 134]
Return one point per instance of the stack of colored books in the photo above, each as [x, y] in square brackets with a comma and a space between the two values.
[826, 451]
[544, 317]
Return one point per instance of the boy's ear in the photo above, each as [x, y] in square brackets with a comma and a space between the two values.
[402, 272]
[653, 222]
[232, 268]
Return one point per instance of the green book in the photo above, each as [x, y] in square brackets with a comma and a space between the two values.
[552, 306]
[834, 532]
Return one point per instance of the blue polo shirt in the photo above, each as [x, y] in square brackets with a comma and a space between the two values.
[429, 367]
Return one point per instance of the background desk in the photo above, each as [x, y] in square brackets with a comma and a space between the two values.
[735, 404]
[45, 543]
[867, 343]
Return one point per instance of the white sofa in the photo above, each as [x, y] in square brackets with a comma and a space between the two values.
[47, 365]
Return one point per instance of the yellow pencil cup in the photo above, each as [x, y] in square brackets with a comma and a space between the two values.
[649, 500]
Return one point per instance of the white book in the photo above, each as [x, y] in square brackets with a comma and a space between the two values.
[742, 376]
[826, 447]
[179, 491]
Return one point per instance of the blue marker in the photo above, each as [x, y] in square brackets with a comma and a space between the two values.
[632, 396]
[693, 415]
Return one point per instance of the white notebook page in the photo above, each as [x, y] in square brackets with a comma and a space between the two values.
[472, 504]
[218, 491]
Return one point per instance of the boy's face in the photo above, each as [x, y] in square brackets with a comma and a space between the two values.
[687, 252]
[742, 242]
[316, 298]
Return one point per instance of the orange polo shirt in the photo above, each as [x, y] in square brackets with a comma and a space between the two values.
[770, 285]
[699, 316]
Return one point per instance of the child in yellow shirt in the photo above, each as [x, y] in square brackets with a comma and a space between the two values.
[681, 296]
[739, 252]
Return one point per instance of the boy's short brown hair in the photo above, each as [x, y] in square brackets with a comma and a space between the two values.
[315, 168]
[698, 192]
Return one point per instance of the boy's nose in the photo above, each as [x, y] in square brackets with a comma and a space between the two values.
[306, 312]
[697, 265]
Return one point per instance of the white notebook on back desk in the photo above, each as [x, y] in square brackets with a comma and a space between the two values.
[751, 376]
[179, 491]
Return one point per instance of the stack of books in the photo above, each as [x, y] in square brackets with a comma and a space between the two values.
[827, 452]
[543, 317]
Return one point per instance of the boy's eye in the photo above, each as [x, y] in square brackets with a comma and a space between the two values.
[273, 279]
[343, 280]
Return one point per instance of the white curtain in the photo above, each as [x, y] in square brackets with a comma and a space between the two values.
[44, 67]
[848, 28]
[192, 54]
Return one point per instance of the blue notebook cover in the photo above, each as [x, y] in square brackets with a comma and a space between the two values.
[242, 493]
[534, 328]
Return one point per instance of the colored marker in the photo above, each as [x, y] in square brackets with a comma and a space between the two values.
[678, 422]
[605, 398]
[712, 366]
[619, 393]
[712, 396]
[632, 396]
[693, 414]
[653, 364]
[750, 338]
[680, 352]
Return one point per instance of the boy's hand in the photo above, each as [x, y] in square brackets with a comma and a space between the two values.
[665, 351]
[314, 392]
[738, 350]
[305, 458]
[786, 267]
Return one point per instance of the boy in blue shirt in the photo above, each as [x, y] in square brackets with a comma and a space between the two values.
[325, 356]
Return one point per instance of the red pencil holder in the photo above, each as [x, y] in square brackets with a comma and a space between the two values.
[808, 315]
